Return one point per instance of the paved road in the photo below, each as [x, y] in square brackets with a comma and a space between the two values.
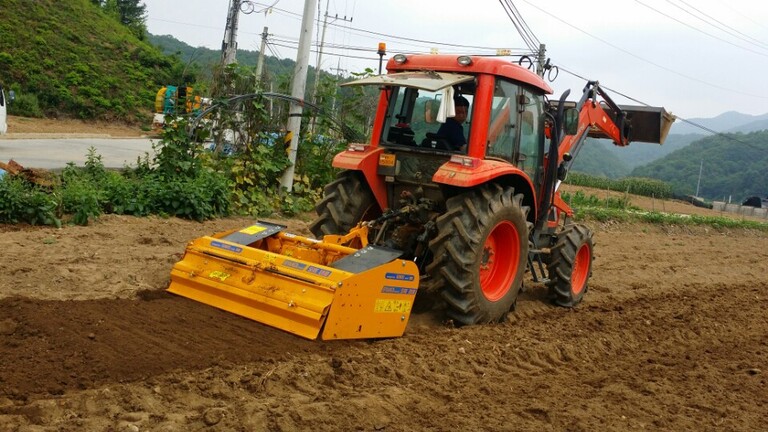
[55, 153]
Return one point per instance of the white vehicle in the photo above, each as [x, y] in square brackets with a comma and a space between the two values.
[3, 111]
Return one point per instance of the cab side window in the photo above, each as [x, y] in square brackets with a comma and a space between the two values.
[502, 128]
[531, 131]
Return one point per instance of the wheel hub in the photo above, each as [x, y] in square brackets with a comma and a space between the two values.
[499, 261]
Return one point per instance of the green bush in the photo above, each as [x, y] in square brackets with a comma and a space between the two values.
[25, 105]
[82, 199]
[22, 202]
[634, 185]
[202, 197]
[580, 199]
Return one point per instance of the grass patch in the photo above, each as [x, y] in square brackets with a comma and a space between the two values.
[604, 214]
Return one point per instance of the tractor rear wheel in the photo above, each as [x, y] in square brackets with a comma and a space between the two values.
[570, 265]
[480, 254]
[346, 201]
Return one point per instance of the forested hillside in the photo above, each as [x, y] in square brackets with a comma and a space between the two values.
[202, 56]
[595, 159]
[601, 157]
[732, 165]
[75, 58]
[730, 121]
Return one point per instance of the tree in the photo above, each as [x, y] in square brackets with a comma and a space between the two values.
[130, 13]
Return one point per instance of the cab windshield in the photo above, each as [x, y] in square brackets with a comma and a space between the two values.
[414, 119]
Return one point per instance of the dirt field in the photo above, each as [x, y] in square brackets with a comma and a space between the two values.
[671, 336]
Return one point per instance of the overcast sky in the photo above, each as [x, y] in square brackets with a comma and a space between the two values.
[697, 58]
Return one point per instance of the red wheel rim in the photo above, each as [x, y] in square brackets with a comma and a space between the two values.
[499, 261]
[580, 269]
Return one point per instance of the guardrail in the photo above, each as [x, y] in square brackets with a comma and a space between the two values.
[740, 209]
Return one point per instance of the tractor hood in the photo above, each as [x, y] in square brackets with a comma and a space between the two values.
[424, 80]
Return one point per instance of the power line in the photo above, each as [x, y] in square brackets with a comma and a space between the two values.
[700, 30]
[684, 120]
[393, 36]
[629, 53]
[330, 53]
[522, 27]
[745, 38]
[288, 39]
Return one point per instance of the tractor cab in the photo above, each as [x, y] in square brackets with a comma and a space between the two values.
[436, 111]
[419, 107]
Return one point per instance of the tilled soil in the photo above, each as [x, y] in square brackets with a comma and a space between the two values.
[672, 335]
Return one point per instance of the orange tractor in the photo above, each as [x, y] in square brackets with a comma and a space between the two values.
[429, 210]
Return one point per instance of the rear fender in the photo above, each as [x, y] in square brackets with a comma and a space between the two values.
[465, 172]
[365, 160]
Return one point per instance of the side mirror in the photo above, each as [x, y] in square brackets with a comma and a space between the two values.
[571, 121]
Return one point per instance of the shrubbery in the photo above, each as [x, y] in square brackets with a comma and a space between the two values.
[182, 179]
[634, 185]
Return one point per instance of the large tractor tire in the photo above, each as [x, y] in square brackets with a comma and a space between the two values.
[570, 265]
[480, 254]
[347, 201]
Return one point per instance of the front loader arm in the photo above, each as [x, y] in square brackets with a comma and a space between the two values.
[595, 121]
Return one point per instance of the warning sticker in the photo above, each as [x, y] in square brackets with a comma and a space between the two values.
[398, 290]
[220, 275]
[387, 159]
[253, 229]
[392, 306]
[227, 247]
[399, 276]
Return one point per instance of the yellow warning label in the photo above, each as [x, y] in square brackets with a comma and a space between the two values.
[220, 275]
[387, 159]
[392, 306]
[253, 229]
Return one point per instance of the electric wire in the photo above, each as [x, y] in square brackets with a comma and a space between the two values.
[522, 27]
[700, 30]
[393, 37]
[292, 40]
[745, 37]
[631, 54]
[684, 120]
[289, 42]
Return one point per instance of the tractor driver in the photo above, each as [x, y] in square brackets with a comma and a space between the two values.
[453, 130]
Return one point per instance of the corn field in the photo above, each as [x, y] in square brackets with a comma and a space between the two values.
[634, 185]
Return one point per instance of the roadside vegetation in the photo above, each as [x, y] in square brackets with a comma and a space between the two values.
[228, 161]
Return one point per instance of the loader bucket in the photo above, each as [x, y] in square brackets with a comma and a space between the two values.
[301, 285]
[647, 124]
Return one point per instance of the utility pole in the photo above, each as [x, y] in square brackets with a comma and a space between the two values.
[320, 55]
[229, 44]
[701, 168]
[298, 86]
[316, 86]
[338, 71]
[260, 62]
[542, 60]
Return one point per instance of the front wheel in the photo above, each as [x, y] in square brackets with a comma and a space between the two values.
[480, 254]
[570, 265]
